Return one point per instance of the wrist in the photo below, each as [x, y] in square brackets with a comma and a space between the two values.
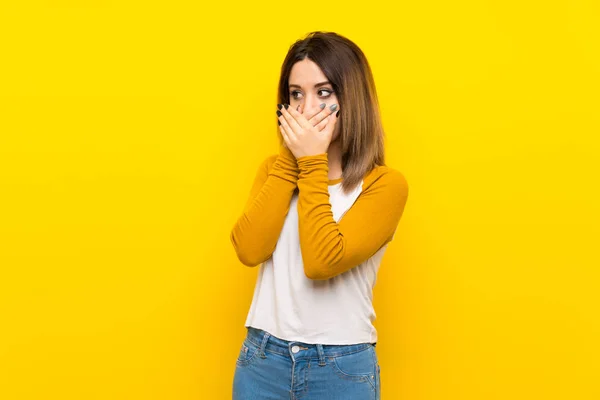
[315, 166]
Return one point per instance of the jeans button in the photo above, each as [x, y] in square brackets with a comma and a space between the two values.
[295, 349]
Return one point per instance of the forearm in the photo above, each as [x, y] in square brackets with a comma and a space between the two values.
[322, 244]
[256, 232]
[331, 247]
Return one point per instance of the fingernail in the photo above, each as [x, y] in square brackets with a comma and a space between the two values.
[322, 106]
[333, 107]
[337, 114]
[279, 106]
[286, 106]
[279, 114]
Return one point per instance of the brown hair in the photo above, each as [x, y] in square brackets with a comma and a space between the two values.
[345, 66]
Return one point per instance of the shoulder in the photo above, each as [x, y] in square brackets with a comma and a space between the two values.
[384, 177]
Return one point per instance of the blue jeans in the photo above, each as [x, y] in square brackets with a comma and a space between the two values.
[271, 368]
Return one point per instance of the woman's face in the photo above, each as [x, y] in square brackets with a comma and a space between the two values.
[309, 88]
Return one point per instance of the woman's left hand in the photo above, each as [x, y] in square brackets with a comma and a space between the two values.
[303, 137]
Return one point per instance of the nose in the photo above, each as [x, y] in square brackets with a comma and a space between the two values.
[312, 102]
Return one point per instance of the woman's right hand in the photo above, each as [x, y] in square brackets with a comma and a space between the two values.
[308, 115]
[300, 109]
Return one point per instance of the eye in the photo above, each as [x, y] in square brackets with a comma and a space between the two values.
[295, 93]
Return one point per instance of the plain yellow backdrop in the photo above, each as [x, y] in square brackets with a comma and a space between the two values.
[130, 133]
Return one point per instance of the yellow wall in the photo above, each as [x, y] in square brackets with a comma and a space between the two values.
[129, 136]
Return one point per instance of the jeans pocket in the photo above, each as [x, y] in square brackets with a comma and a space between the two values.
[248, 352]
[359, 367]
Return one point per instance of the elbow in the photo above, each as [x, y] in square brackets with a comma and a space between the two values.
[248, 261]
[245, 254]
[321, 268]
[316, 272]
[249, 258]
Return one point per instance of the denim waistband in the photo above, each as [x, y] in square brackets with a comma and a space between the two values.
[271, 343]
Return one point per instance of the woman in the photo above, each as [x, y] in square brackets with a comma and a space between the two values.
[319, 217]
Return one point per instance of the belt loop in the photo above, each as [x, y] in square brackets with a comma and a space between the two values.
[321, 355]
[263, 345]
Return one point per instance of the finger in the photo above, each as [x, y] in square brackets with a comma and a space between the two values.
[284, 135]
[292, 124]
[330, 122]
[299, 118]
[324, 113]
[310, 113]
[321, 125]
[285, 125]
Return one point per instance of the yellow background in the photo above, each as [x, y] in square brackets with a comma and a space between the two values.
[130, 133]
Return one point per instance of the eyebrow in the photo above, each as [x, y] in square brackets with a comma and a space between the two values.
[317, 85]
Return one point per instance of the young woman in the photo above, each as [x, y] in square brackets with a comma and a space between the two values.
[319, 217]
